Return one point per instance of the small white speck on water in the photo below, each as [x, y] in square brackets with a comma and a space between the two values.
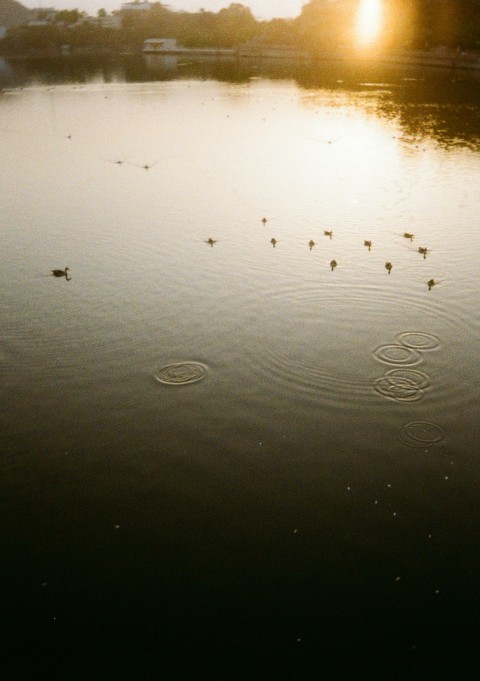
[394, 513]
[260, 443]
[44, 583]
[349, 488]
[398, 578]
[376, 502]
[117, 527]
[295, 531]
[429, 536]
[389, 485]
[446, 477]
[299, 640]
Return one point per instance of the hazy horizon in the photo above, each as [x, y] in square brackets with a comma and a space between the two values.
[261, 9]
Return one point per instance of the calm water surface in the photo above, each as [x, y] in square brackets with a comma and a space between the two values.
[307, 506]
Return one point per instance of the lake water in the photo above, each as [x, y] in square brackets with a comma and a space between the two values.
[239, 459]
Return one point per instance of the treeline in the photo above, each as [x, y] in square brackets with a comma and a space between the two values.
[322, 24]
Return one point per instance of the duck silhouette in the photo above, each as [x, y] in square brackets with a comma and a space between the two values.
[210, 241]
[423, 250]
[273, 241]
[61, 273]
[388, 267]
[408, 235]
[431, 283]
[333, 264]
[264, 220]
[368, 244]
[311, 244]
[328, 232]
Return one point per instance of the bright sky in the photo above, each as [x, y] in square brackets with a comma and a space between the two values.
[261, 9]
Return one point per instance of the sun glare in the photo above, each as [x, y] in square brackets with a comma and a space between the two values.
[369, 21]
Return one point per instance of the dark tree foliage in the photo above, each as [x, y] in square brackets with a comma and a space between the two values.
[322, 24]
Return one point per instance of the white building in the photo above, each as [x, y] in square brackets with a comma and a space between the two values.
[160, 45]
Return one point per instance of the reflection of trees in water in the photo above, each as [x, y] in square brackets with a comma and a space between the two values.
[439, 103]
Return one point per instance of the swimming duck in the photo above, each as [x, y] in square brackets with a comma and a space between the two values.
[388, 267]
[210, 241]
[273, 241]
[328, 232]
[311, 244]
[61, 273]
[368, 244]
[408, 235]
[264, 220]
[333, 264]
[431, 283]
[423, 250]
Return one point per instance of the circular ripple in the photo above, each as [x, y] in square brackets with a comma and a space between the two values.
[421, 434]
[417, 340]
[397, 354]
[181, 373]
[404, 385]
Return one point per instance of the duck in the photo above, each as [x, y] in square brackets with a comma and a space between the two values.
[409, 235]
[210, 241]
[273, 241]
[388, 267]
[328, 232]
[61, 273]
[423, 250]
[431, 283]
[368, 244]
[264, 221]
[311, 244]
[333, 264]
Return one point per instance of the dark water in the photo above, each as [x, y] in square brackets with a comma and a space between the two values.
[236, 459]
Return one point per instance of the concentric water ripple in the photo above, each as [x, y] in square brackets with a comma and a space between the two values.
[181, 373]
[404, 385]
[421, 434]
[397, 354]
[417, 340]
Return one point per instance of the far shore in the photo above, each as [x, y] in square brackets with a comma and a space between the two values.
[438, 57]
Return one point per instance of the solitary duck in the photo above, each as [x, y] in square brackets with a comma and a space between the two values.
[333, 264]
[431, 283]
[388, 267]
[423, 250]
[273, 241]
[61, 273]
[408, 235]
[264, 221]
[328, 232]
[311, 244]
[210, 241]
[368, 244]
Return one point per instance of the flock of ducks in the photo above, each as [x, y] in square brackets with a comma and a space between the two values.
[333, 263]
